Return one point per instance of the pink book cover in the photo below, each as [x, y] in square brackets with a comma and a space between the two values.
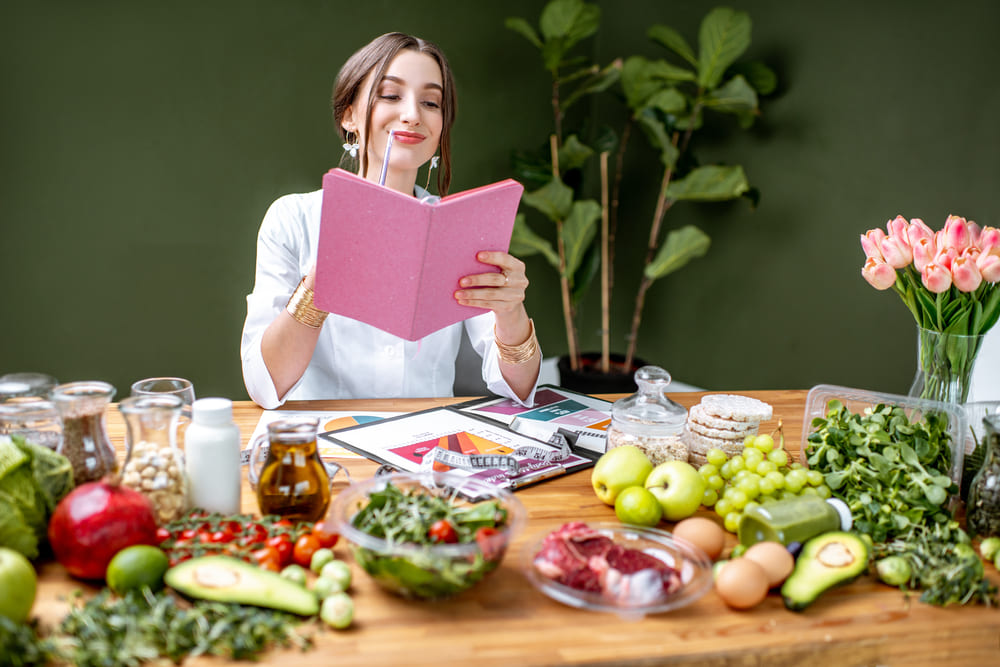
[394, 262]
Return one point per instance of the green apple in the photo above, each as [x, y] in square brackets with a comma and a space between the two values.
[638, 506]
[617, 469]
[18, 582]
[678, 487]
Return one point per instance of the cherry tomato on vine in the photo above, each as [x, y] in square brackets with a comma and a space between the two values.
[267, 558]
[442, 531]
[305, 547]
[283, 545]
[162, 535]
[324, 532]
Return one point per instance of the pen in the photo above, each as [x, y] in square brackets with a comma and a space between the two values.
[385, 160]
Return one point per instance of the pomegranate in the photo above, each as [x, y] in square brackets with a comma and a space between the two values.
[94, 522]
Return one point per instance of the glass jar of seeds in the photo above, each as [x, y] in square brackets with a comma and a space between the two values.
[85, 442]
[649, 420]
[982, 511]
[154, 465]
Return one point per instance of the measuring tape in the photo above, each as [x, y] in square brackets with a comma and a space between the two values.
[506, 462]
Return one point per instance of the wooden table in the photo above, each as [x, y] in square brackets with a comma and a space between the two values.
[505, 621]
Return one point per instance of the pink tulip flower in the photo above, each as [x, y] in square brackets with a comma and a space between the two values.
[896, 251]
[974, 232]
[879, 275]
[989, 239]
[956, 234]
[897, 226]
[965, 274]
[936, 278]
[918, 230]
[924, 251]
[988, 264]
[945, 257]
[871, 243]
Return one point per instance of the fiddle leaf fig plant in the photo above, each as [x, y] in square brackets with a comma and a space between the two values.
[667, 101]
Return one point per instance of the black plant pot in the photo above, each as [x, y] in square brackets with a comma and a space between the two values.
[588, 379]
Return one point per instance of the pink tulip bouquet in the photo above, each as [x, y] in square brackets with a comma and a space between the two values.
[949, 281]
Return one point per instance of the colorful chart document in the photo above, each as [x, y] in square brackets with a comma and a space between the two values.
[394, 261]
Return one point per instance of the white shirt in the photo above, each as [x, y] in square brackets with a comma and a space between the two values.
[352, 359]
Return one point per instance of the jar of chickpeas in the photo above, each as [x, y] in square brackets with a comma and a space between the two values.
[154, 464]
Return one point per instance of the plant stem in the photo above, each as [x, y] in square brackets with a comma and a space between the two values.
[616, 190]
[567, 302]
[605, 271]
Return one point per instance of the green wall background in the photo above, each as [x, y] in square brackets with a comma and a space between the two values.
[142, 143]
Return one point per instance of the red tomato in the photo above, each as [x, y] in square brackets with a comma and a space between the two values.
[324, 532]
[162, 535]
[305, 547]
[221, 537]
[442, 531]
[267, 558]
[489, 544]
[188, 533]
[283, 545]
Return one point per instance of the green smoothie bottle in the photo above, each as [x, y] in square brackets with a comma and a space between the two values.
[793, 520]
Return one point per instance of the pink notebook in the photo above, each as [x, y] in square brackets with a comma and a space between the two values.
[394, 262]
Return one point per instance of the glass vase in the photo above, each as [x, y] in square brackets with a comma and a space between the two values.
[944, 365]
[982, 511]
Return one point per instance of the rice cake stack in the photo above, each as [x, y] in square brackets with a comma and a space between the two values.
[723, 421]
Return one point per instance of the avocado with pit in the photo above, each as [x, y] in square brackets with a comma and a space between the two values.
[826, 561]
[227, 579]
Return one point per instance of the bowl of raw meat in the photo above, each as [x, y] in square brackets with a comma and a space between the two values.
[611, 567]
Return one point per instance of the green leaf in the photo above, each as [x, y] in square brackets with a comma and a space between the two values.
[668, 100]
[734, 96]
[571, 20]
[682, 245]
[524, 242]
[657, 134]
[578, 231]
[597, 83]
[524, 29]
[573, 153]
[724, 36]
[642, 78]
[710, 183]
[585, 274]
[554, 199]
[760, 76]
[674, 41]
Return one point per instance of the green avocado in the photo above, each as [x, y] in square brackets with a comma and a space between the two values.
[226, 579]
[826, 561]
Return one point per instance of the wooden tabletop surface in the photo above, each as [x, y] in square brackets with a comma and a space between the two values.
[505, 621]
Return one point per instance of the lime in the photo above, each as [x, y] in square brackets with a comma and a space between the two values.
[637, 505]
[137, 566]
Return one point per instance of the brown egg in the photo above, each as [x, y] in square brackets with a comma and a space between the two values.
[704, 533]
[774, 558]
[742, 583]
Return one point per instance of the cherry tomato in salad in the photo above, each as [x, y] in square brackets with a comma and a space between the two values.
[305, 547]
[442, 531]
[324, 532]
[489, 543]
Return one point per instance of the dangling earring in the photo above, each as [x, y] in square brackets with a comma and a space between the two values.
[434, 164]
[352, 148]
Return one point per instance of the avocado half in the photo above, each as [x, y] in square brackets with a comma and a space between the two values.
[227, 579]
[826, 561]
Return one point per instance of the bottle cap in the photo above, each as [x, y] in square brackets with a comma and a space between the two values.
[846, 520]
[212, 411]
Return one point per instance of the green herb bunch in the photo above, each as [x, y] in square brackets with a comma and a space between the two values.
[892, 473]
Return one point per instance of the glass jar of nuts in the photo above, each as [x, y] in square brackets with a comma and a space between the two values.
[154, 465]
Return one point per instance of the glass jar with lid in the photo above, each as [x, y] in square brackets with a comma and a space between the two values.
[35, 419]
[649, 420]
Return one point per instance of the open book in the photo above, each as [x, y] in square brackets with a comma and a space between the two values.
[394, 261]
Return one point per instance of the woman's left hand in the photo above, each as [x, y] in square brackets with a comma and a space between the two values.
[502, 292]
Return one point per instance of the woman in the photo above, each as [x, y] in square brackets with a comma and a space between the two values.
[292, 350]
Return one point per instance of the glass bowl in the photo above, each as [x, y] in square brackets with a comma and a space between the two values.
[427, 571]
[693, 565]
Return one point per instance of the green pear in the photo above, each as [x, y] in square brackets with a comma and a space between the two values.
[618, 469]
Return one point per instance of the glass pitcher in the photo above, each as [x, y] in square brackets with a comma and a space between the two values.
[154, 465]
[293, 481]
[982, 512]
[85, 442]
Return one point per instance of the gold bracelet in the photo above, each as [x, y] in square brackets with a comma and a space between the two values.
[301, 307]
[518, 354]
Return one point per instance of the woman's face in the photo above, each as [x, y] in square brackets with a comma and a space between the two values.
[408, 100]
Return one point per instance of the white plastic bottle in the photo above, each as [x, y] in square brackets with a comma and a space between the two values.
[212, 456]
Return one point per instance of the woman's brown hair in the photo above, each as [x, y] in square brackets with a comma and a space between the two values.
[374, 59]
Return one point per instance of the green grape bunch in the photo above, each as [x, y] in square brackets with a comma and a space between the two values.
[760, 474]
